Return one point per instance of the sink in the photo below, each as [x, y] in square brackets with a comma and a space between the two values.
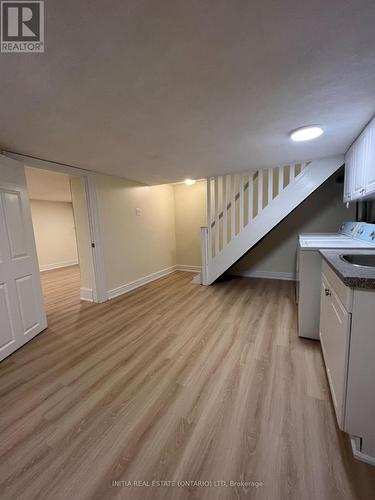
[363, 260]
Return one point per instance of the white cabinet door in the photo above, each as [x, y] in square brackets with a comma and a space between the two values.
[348, 183]
[359, 165]
[370, 160]
[22, 313]
[334, 337]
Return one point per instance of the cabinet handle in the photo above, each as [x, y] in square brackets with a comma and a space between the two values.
[327, 291]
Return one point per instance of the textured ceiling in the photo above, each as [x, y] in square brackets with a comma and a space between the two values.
[47, 185]
[157, 91]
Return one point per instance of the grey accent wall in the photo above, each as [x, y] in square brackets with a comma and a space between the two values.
[323, 212]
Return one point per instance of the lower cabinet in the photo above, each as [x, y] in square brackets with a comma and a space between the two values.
[347, 336]
[334, 336]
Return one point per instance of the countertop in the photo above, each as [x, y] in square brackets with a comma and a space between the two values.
[352, 276]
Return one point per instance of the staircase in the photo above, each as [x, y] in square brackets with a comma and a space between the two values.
[243, 208]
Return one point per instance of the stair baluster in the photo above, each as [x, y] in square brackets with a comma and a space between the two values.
[275, 193]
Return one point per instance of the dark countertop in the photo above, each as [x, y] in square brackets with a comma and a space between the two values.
[352, 276]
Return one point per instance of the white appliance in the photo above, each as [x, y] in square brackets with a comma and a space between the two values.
[313, 240]
[346, 230]
[354, 235]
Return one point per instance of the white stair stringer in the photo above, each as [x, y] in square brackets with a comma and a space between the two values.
[298, 189]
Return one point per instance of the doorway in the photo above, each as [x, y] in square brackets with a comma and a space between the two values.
[89, 240]
[54, 214]
[22, 311]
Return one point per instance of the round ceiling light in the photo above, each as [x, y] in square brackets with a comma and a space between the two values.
[189, 182]
[306, 133]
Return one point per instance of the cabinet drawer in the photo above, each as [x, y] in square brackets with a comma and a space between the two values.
[344, 293]
[335, 324]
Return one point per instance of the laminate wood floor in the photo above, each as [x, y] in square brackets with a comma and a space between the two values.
[172, 382]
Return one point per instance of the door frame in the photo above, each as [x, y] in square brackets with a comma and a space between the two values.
[99, 289]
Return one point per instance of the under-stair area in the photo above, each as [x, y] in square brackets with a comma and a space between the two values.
[242, 208]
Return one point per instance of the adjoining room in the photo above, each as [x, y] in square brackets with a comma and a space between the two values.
[62, 241]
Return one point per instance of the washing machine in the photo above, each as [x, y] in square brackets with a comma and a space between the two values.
[351, 235]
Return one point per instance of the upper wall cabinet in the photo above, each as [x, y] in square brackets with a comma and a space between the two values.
[370, 170]
[360, 166]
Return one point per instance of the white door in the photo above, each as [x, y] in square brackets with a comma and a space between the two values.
[22, 313]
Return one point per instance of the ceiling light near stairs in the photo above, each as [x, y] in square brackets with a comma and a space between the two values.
[189, 182]
[306, 133]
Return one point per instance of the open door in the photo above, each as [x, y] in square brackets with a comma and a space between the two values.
[22, 314]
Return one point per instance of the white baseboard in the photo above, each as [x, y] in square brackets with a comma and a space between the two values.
[273, 275]
[86, 294]
[187, 268]
[128, 287]
[358, 454]
[58, 265]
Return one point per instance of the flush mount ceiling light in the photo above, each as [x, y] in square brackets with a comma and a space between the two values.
[306, 133]
[189, 182]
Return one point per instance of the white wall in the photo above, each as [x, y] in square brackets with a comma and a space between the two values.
[323, 211]
[190, 214]
[78, 193]
[135, 246]
[47, 185]
[54, 232]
